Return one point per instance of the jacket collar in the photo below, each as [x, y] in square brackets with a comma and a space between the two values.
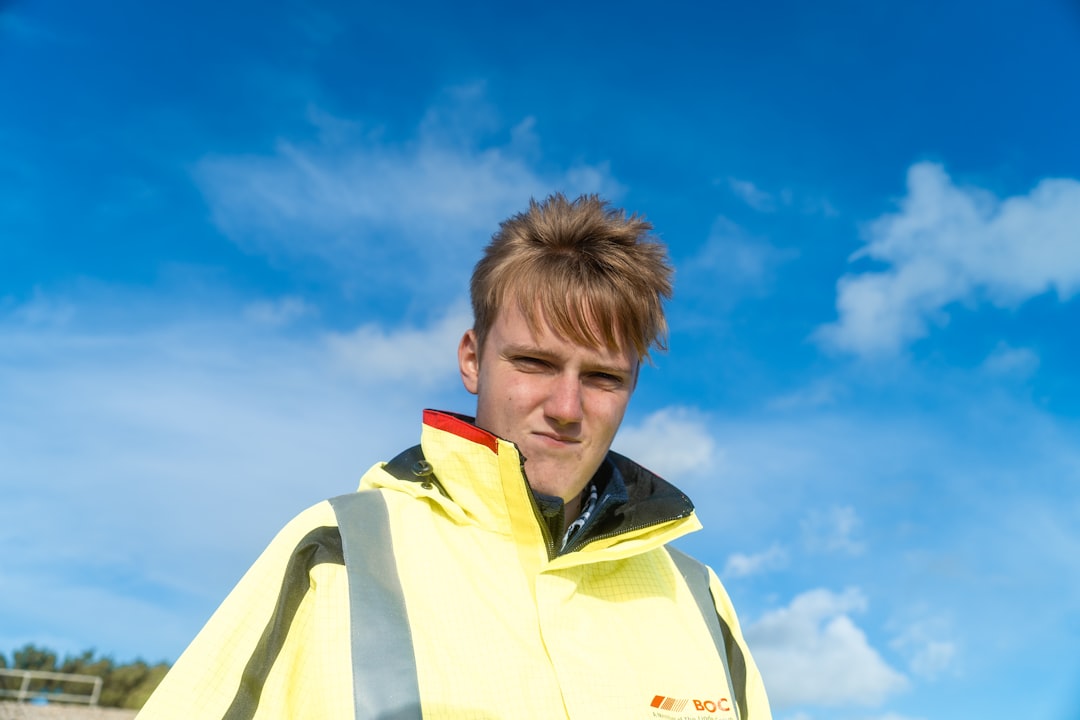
[481, 473]
[483, 476]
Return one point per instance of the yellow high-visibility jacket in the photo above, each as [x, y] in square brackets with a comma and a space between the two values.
[442, 595]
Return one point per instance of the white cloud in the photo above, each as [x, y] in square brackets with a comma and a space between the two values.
[407, 217]
[951, 244]
[832, 531]
[670, 442]
[814, 654]
[740, 565]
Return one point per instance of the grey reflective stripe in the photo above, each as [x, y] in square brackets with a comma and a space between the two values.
[385, 686]
[320, 546]
[696, 575]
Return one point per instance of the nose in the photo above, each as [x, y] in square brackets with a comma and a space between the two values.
[564, 403]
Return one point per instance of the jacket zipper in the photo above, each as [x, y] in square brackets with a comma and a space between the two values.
[545, 531]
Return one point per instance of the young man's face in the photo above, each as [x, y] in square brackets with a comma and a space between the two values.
[560, 402]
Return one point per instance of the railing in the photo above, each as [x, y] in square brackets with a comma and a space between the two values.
[25, 692]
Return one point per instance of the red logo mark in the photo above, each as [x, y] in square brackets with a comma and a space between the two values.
[666, 703]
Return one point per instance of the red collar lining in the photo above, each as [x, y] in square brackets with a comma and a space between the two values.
[462, 428]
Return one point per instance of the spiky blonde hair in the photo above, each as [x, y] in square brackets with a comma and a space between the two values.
[594, 274]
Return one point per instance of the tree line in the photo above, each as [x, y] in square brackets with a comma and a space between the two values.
[124, 685]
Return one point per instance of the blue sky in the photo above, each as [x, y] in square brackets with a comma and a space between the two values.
[234, 245]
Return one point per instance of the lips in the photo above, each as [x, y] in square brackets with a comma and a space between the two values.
[556, 439]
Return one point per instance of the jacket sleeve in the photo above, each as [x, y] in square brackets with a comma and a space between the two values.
[757, 702]
[277, 647]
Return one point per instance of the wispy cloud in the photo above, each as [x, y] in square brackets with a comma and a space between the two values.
[279, 312]
[765, 201]
[832, 530]
[741, 565]
[950, 244]
[802, 715]
[1006, 361]
[926, 640]
[135, 444]
[18, 26]
[402, 217]
[731, 265]
[424, 356]
[671, 442]
[820, 393]
[752, 195]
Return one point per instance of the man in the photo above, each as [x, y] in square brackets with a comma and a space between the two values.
[508, 567]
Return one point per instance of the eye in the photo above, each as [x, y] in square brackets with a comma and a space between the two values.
[607, 380]
[528, 363]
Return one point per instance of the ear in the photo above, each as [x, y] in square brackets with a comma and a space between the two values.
[468, 355]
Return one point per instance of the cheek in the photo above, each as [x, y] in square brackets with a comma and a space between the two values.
[608, 411]
[521, 391]
[505, 400]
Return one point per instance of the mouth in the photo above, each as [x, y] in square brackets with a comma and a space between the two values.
[550, 438]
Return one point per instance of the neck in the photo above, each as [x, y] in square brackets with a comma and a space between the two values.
[571, 510]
